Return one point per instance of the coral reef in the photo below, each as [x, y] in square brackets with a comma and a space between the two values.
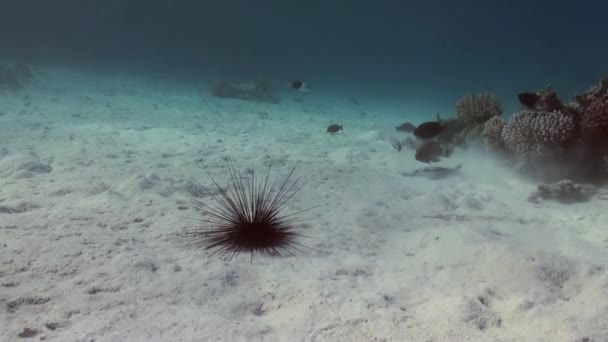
[535, 132]
[475, 109]
[492, 132]
[549, 139]
[256, 91]
[598, 91]
[593, 108]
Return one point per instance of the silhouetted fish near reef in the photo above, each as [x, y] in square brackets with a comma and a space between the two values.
[529, 100]
[435, 172]
[430, 151]
[406, 127]
[300, 86]
[334, 129]
[428, 130]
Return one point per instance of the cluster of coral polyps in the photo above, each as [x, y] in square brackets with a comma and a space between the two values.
[573, 133]
[593, 109]
[546, 121]
[535, 132]
[474, 110]
[492, 132]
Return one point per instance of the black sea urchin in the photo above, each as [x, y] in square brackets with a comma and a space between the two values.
[246, 216]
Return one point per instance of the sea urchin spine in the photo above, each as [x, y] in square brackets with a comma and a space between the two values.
[246, 216]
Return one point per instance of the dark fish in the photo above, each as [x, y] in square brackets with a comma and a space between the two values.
[435, 172]
[430, 151]
[529, 100]
[299, 86]
[334, 128]
[406, 127]
[428, 130]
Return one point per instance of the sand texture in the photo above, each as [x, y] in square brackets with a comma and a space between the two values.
[97, 171]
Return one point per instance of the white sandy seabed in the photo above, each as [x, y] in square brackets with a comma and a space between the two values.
[96, 174]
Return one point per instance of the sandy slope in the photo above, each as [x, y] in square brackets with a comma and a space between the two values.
[95, 174]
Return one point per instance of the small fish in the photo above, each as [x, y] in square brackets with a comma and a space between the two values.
[406, 127]
[333, 129]
[529, 100]
[300, 86]
[430, 151]
[396, 143]
[428, 130]
[435, 172]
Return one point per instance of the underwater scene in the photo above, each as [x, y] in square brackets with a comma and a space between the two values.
[376, 171]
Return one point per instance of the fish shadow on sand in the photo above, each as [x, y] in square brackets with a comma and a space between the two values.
[435, 172]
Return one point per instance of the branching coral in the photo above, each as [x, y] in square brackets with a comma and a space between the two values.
[594, 120]
[592, 94]
[478, 108]
[475, 109]
[492, 132]
[593, 109]
[533, 132]
[557, 139]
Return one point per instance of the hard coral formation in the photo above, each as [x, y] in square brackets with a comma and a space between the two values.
[556, 139]
[598, 91]
[492, 132]
[594, 120]
[478, 108]
[475, 109]
[533, 132]
[593, 108]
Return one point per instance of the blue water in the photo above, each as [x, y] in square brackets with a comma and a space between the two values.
[391, 51]
[102, 148]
